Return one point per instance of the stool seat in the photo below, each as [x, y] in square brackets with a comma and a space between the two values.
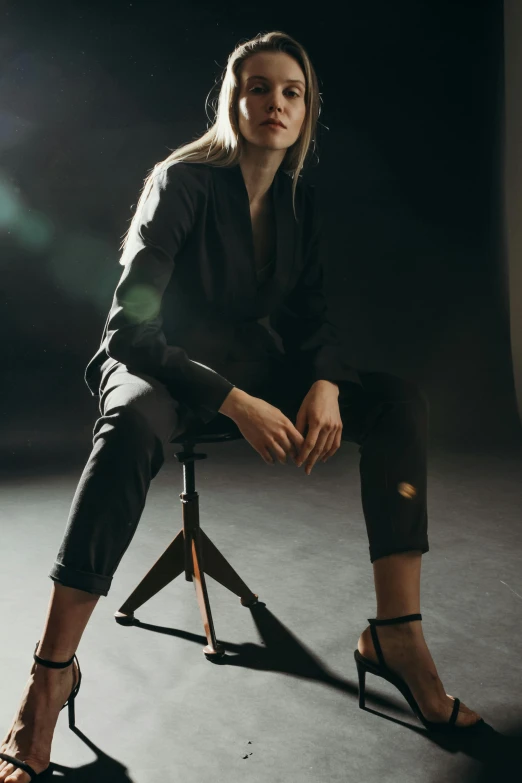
[218, 430]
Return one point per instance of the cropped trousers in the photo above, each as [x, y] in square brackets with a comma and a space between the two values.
[387, 416]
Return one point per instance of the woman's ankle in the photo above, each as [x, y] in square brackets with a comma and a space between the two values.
[391, 613]
[411, 630]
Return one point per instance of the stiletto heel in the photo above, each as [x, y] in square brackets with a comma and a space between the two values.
[72, 722]
[382, 670]
[361, 671]
[70, 701]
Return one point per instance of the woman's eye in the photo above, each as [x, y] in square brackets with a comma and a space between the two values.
[259, 87]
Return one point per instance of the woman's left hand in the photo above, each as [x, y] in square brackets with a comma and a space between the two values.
[319, 412]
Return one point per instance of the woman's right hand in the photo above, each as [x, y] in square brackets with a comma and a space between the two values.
[266, 428]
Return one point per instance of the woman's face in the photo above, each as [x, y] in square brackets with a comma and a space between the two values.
[272, 86]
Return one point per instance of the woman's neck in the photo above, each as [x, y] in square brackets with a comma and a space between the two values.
[258, 172]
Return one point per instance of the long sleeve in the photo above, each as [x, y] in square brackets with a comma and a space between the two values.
[134, 326]
[308, 336]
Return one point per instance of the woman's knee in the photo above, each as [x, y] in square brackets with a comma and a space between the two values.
[139, 407]
[413, 396]
[125, 436]
[403, 410]
[125, 424]
[390, 388]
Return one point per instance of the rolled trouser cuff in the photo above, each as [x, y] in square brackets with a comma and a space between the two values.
[97, 584]
[422, 547]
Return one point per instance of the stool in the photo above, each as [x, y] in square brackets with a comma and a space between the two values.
[192, 550]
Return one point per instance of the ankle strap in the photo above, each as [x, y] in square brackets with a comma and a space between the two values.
[406, 618]
[50, 664]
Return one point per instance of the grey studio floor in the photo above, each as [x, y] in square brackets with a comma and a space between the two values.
[282, 705]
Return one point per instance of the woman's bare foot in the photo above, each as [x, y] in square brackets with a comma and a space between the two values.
[406, 653]
[30, 736]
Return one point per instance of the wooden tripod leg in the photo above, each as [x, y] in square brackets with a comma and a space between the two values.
[213, 648]
[220, 569]
[170, 565]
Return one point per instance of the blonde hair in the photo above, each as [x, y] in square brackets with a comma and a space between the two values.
[221, 145]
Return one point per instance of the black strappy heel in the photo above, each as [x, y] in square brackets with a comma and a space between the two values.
[70, 702]
[381, 670]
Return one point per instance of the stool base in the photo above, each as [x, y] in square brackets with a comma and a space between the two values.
[191, 552]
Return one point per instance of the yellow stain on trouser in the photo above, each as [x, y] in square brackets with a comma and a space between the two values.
[406, 490]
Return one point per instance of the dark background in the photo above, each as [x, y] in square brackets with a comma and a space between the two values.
[93, 95]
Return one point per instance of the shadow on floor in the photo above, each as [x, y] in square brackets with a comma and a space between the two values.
[280, 651]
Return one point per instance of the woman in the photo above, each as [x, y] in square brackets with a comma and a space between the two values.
[223, 237]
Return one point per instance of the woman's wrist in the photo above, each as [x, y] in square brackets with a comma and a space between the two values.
[331, 384]
[231, 402]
